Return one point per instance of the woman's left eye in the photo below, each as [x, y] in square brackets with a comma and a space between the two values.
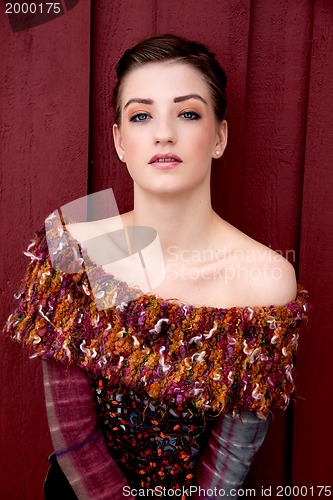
[190, 115]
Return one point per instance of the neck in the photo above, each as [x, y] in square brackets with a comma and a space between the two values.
[182, 221]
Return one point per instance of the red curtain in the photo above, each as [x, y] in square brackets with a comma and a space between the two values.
[274, 183]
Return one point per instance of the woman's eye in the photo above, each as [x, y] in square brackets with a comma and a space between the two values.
[139, 117]
[190, 115]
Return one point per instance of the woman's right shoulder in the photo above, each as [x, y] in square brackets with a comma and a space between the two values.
[83, 231]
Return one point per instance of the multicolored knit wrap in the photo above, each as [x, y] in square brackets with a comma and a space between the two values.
[226, 360]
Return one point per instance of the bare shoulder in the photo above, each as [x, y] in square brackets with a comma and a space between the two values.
[262, 276]
[271, 279]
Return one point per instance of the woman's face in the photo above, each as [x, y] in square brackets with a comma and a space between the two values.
[168, 133]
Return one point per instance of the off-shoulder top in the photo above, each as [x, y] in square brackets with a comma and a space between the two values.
[154, 357]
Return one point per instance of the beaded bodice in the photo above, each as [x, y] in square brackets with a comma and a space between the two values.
[154, 443]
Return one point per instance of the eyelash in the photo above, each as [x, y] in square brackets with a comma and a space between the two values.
[135, 117]
[195, 116]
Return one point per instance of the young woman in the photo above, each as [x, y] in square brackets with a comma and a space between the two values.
[180, 372]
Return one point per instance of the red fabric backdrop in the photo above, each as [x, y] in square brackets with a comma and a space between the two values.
[274, 182]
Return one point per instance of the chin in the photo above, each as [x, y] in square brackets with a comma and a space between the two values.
[170, 186]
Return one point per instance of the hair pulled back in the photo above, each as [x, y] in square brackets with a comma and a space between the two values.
[169, 47]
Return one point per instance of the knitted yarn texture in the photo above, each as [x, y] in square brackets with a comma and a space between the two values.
[226, 360]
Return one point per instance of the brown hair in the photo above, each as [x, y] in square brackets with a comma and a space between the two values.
[171, 47]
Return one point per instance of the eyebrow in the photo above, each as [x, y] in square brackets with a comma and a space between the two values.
[176, 100]
[189, 96]
[138, 100]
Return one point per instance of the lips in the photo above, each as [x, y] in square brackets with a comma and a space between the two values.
[165, 159]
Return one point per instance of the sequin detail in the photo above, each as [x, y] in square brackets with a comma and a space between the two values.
[154, 443]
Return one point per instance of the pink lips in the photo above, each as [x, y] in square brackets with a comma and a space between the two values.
[165, 160]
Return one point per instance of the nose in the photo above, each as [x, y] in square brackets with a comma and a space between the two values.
[165, 132]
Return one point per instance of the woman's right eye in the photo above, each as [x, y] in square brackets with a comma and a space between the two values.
[139, 117]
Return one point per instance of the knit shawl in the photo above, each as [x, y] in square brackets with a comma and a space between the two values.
[223, 359]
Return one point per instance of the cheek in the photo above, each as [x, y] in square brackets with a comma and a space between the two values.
[133, 143]
[205, 141]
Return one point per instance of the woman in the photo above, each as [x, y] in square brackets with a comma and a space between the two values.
[183, 384]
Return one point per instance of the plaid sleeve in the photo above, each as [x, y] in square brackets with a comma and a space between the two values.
[231, 447]
[78, 442]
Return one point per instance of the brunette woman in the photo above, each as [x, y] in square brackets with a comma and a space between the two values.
[164, 383]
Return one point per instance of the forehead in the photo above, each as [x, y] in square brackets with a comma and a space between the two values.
[166, 79]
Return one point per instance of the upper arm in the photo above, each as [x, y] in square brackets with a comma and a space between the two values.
[79, 444]
[230, 450]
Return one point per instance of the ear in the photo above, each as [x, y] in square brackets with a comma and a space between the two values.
[117, 139]
[221, 139]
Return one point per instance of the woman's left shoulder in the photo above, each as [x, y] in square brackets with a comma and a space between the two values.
[271, 278]
[264, 277]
